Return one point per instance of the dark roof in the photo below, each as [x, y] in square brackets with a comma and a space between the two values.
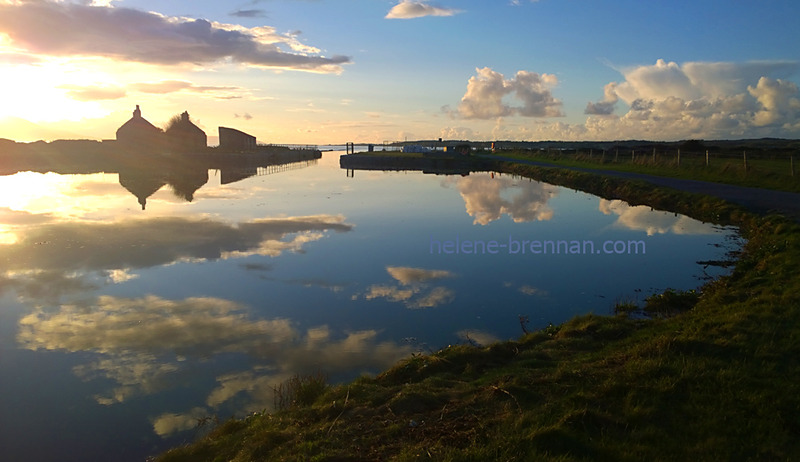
[185, 125]
[137, 125]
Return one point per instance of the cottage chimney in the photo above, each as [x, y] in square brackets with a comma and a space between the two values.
[185, 116]
[137, 113]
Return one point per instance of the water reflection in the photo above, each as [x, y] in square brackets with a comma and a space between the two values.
[49, 258]
[414, 289]
[192, 310]
[643, 218]
[149, 344]
[488, 197]
[144, 182]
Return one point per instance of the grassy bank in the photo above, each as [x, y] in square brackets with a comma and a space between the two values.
[764, 171]
[719, 381]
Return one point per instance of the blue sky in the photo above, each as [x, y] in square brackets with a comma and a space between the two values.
[325, 71]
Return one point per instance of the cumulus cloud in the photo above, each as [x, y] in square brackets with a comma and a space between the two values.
[486, 94]
[133, 35]
[487, 199]
[607, 105]
[778, 100]
[408, 9]
[667, 100]
[642, 218]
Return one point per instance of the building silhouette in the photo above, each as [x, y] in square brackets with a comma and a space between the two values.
[235, 140]
[184, 135]
[139, 132]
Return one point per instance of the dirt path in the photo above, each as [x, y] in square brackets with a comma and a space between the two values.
[755, 199]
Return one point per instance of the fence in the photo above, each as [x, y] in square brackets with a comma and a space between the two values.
[770, 162]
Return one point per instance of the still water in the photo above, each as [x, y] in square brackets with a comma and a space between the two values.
[132, 307]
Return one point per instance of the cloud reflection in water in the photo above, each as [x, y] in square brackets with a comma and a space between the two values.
[414, 289]
[487, 198]
[51, 258]
[144, 343]
[643, 218]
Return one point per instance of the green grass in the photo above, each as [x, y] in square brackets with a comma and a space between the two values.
[765, 171]
[713, 377]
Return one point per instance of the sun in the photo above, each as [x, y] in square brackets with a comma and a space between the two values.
[39, 93]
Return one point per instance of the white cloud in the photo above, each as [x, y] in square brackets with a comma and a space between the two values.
[697, 100]
[409, 9]
[607, 105]
[779, 101]
[487, 91]
[147, 37]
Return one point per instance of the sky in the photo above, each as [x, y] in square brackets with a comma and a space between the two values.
[373, 71]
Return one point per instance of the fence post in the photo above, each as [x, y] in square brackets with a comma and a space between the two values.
[679, 157]
[633, 155]
[654, 155]
[616, 155]
[791, 164]
[706, 157]
[744, 154]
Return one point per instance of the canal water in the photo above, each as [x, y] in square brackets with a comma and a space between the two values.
[133, 307]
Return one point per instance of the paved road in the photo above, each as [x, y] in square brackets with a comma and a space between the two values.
[755, 199]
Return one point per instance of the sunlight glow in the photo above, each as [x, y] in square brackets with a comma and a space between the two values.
[31, 93]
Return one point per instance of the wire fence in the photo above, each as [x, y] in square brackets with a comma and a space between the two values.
[780, 163]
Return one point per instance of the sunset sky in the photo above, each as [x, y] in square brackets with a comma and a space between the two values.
[333, 71]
